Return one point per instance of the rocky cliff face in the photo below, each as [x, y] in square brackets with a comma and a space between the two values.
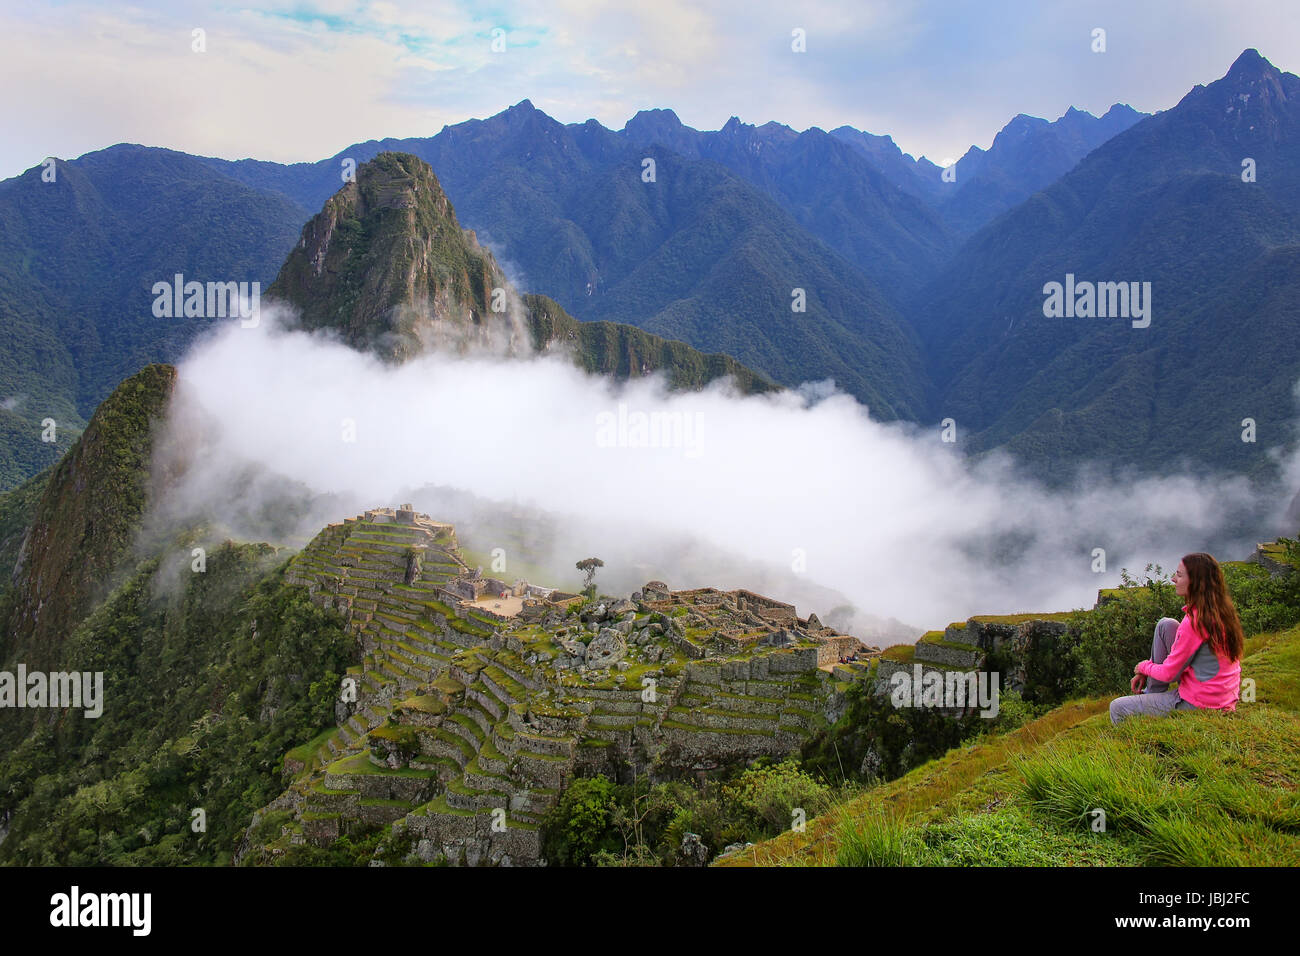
[386, 264]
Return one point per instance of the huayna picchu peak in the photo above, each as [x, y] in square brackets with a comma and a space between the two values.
[385, 262]
[386, 266]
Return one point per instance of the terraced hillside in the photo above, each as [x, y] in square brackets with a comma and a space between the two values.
[464, 723]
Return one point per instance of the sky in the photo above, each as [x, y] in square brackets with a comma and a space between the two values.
[299, 80]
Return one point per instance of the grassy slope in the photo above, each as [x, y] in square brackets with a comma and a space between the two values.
[1217, 790]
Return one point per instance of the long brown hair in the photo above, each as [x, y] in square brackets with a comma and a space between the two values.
[1216, 615]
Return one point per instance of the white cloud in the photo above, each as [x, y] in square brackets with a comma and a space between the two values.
[294, 81]
[884, 514]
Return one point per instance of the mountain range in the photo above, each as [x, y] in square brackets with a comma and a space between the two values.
[923, 298]
[225, 679]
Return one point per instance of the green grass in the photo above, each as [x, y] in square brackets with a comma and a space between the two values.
[425, 704]
[1004, 837]
[1022, 618]
[1198, 788]
[306, 753]
[936, 638]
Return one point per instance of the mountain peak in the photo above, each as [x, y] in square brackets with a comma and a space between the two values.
[1249, 64]
[774, 130]
[1255, 93]
[656, 117]
[1022, 123]
[384, 258]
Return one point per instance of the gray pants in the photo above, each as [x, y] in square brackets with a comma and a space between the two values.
[1156, 698]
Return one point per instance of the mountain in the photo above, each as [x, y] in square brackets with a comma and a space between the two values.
[201, 681]
[81, 521]
[387, 265]
[698, 256]
[79, 256]
[708, 255]
[833, 190]
[920, 177]
[830, 190]
[706, 258]
[1162, 203]
[1027, 155]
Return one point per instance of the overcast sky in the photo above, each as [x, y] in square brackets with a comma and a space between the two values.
[293, 80]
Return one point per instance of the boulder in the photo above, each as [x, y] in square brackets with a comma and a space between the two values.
[608, 648]
[693, 851]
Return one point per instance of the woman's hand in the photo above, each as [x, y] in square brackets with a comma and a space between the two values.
[1137, 683]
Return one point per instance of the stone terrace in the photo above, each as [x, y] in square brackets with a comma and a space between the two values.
[466, 727]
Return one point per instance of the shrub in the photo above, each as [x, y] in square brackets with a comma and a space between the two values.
[1116, 635]
[581, 824]
[765, 798]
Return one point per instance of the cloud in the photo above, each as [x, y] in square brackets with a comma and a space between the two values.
[290, 81]
[799, 492]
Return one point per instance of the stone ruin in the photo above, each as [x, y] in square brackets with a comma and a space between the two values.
[734, 619]
[462, 718]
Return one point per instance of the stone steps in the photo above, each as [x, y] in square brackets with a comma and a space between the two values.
[466, 797]
[466, 728]
[491, 705]
[706, 720]
[444, 743]
[618, 721]
[495, 689]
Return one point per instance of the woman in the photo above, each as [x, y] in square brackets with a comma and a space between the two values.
[1202, 653]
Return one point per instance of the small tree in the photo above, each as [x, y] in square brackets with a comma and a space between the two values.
[588, 567]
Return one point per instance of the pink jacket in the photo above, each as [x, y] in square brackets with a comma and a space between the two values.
[1205, 679]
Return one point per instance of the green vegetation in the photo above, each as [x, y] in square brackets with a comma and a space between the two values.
[1198, 788]
[78, 260]
[598, 822]
[17, 510]
[88, 514]
[206, 688]
[1222, 334]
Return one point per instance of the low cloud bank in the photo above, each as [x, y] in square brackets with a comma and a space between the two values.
[274, 433]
